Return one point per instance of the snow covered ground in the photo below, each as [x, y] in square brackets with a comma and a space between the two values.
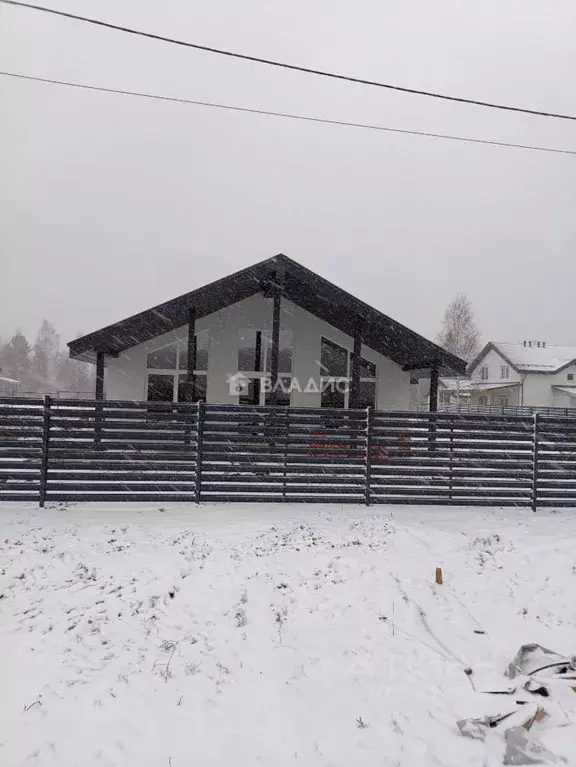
[272, 635]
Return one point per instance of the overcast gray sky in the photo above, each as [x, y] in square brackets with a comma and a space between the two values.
[111, 204]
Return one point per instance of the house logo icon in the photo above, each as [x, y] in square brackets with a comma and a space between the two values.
[238, 383]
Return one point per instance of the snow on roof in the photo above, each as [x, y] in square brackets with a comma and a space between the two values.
[534, 358]
[8, 380]
[571, 390]
[465, 385]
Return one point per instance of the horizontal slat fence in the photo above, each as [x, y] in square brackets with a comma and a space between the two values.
[285, 454]
[555, 482]
[21, 433]
[453, 459]
[78, 450]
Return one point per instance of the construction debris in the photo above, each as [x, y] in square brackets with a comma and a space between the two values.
[517, 725]
[521, 749]
[532, 658]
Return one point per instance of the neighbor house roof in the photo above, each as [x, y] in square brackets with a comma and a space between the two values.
[571, 390]
[528, 357]
[301, 286]
[455, 384]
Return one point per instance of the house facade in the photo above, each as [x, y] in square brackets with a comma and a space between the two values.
[9, 387]
[528, 373]
[274, 333]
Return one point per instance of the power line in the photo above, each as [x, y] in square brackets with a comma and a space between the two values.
[283, 65]
[285, 115]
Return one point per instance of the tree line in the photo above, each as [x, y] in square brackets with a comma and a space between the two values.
[43, 367]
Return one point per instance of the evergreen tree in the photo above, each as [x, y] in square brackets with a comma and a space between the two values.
[45, 357]
[16, 358]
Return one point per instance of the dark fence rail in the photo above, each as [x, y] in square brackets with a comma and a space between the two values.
[529, 410]
[78, 450]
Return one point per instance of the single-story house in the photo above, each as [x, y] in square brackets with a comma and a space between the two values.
[527, 373]
[273, 333]
[9, 387]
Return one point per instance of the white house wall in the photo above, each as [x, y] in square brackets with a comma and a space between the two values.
[535, 390]
[126, 375]
[493, 361]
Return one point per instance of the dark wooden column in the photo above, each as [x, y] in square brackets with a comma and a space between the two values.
[354, 395]
[275, 356]
[434, 370]
[190, 395]
[99, 393]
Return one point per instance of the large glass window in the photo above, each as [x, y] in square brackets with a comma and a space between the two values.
[250, 393]
[336, 374]
[283, 394]
[333, 393]
[333, 359]
[284, 351]
[255, 362]
[202, 347]
[163, 359]
[250, 351]
[167, 382]
[160, 388]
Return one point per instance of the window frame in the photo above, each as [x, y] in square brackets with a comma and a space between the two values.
[484, 373]
[262, 358]
[445, 397]
[179, 371]
[328, 381]
[504, 372]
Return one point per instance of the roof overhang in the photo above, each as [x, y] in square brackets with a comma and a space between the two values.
[490, 386]
[300, 285]
[571, 390]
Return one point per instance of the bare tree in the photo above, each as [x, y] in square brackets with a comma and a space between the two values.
[459, 333]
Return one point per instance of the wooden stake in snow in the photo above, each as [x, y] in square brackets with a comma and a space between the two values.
[439, 579]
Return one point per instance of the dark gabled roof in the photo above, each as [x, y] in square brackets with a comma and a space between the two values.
[301, 286]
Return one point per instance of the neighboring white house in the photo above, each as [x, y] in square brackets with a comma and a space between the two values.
[9, 387]
[528, 373]
[318, 327]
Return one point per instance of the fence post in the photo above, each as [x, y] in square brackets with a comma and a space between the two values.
[44, 458]
[535, 462]
[367, 487]
[199, 450]
[98, 420]
[451, 460]
[286, 440]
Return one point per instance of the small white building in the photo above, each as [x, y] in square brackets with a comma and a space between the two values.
[529, 374]
[275, 325]
[9, 387]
